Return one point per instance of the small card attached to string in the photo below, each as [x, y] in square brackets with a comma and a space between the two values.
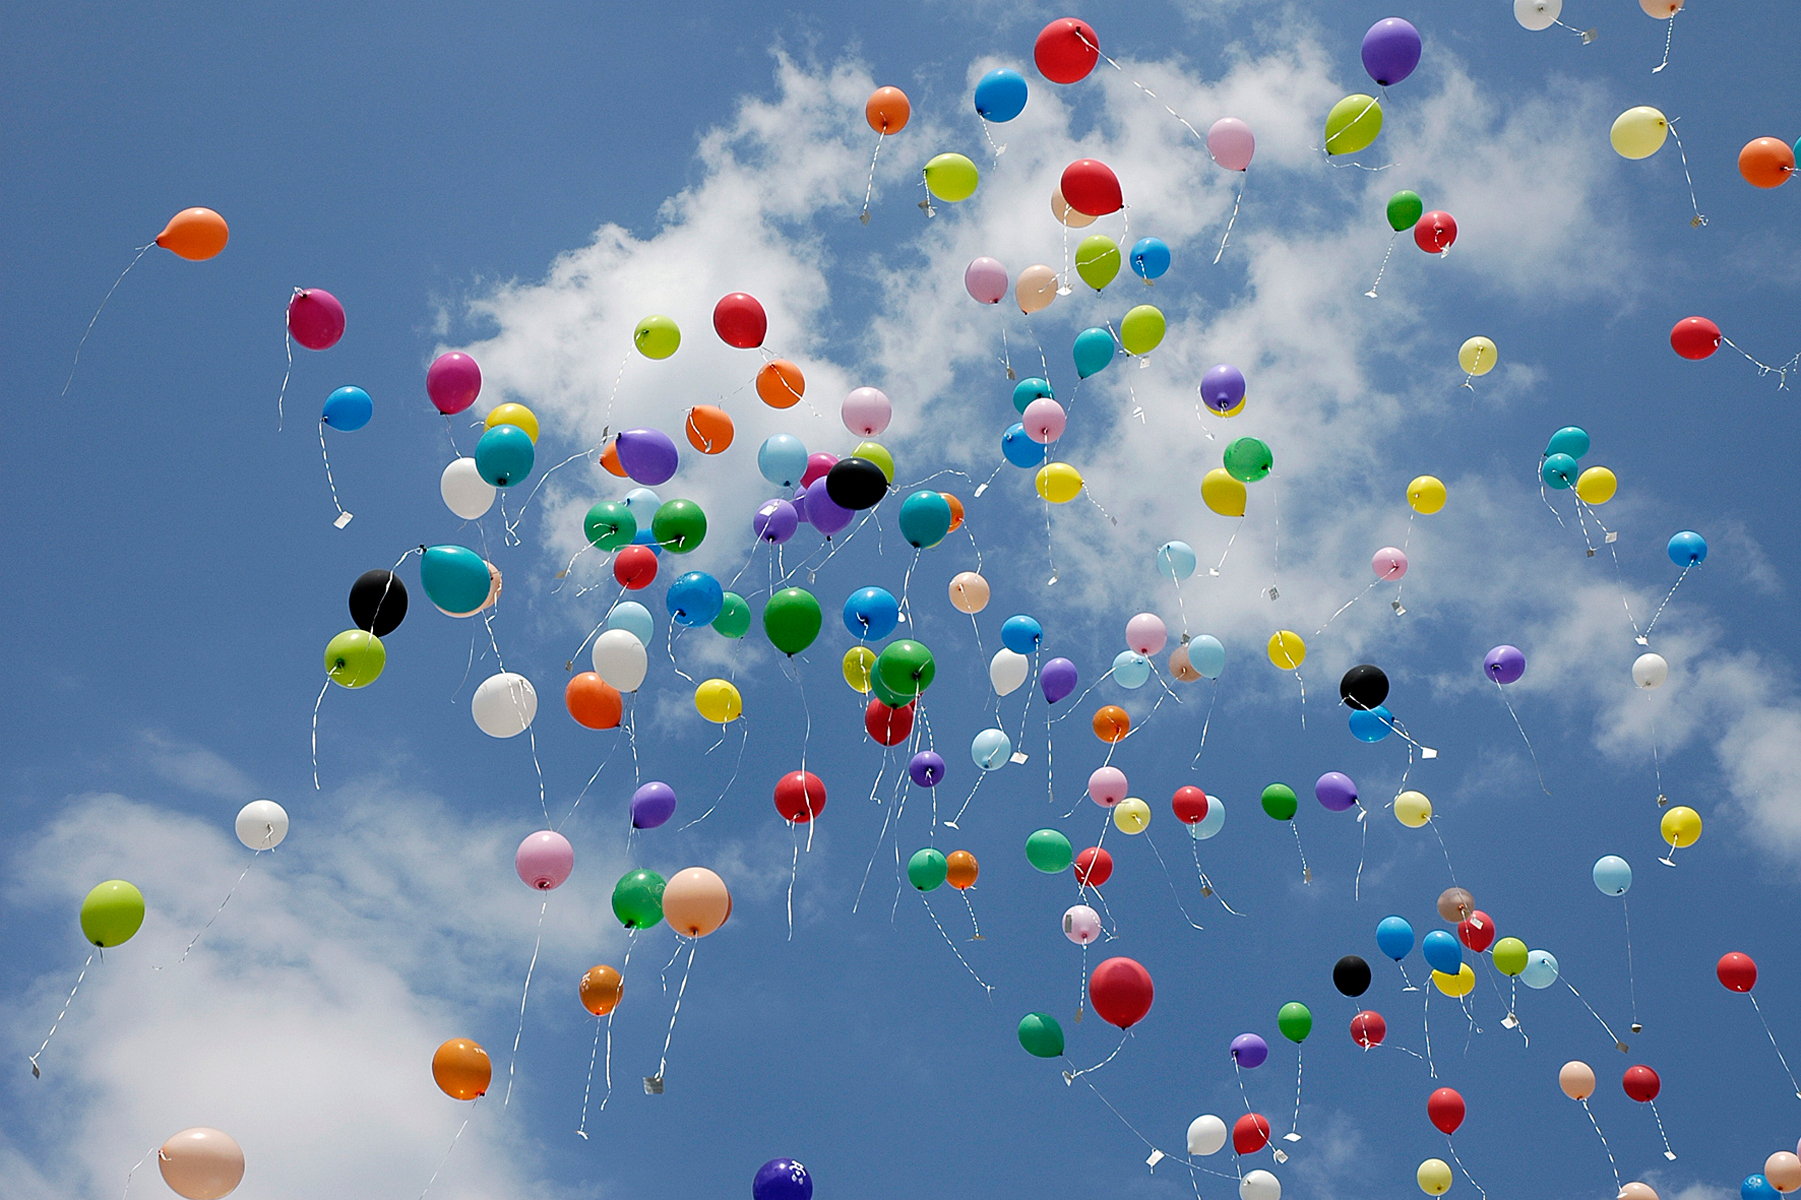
[344, 519]
[1396, 605]
[1155, 1158]
[1018, 757]
[653, 1085]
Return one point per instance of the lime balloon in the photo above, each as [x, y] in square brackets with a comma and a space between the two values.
[952, 177]
[657, 337]
[1141, 329]
[878, 454]
[638, 899]
[355, 658]
[1097, 260]
[1510, 956]
[792, 619]
[1049, 851]
[112, 912]
[1353, 124]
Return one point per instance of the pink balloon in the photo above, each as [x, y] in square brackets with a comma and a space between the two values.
[1081, 924]
[453, 382]
[544, 859]
[1044, 420]
[986, 280]
[1230, 143]
[817, 466]
[1146, 633]
[1107, 786]
[1389, 563]
[867, 412]
[315, 318]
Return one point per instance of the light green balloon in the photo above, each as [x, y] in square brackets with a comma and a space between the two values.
[1049, 851]
[1097, 260]
[952, 177]
[355, 658]
[1295, 1021]
[1353, 124]
[733, 620]
[878, 454]
[1510, 956]
[657, 337]
[1142, 329]
[112, 912]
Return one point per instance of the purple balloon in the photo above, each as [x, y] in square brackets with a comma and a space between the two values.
[652, 805]
[1391, 49]
[776, 521]
[1057, 678]
[647, 455]
[1336, 791]
[1222, 387]
[1249, 1050]
[824, 513]
[927, 769]
[1504, 664]
[781, 1179]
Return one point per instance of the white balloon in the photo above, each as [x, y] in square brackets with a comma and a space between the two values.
[1206, 1135]
[1650, 670]
[1259, 1185]
[1082, 925]
[620, 659]
[465, 492]
[504, 705]
[1537, 14]
[262, 824]
[1007, 671]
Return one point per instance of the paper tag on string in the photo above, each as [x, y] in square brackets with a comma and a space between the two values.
[344, 519]
[1018, 757]
[1155, 1158]
[1291, 1137]
[653, 1085]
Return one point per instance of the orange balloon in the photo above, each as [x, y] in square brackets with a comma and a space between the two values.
[709, 428]
[600, 989]
[1181, 667]
[956, 511]
[696, 902]
[780, 383]
[887, 110]
[461, 1068]
[609, 458]
[960, 869]
[194, 234]
[1111, 722]
[594, 702]
[1766, 162]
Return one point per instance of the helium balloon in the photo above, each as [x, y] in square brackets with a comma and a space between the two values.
[1093, 867]
[316, 319]
[111, 913]
[378, 602]
[1259, 1185]
[1504, 664]
[1766, 162]
[780, 384]
[1146, 633]
[952, 177]
[1351, 975]
[799, 796]
[1280, 802]
[906, 666]
[1018, 448]
[709, 428]
[968, 592]
[1681, 827]
[1212, 823]
[620, 659]
[638, 899]
[718, 701]
[1250, 1133]
[1287, 650]
[740, 322]
[201, 1163]
[866, 412]
[859, 661]
[1007, 671]
[1639, 132]
[1041, 1036]
[1131, 670]
[791, 619]
[1404, 211]
[355, 658]
[696, 599]
[1222, 387]
[461, 1069]
[1455, 904]
[1141, 329]
[465, 492]
[1091, 187]
[1022, 634]
[991, 749]
[1131, 815]
[1368, 1029]
[1057, 679]
[775, 522]
[1757, 1187]
[544, 860]
[1596, 485]
[1372, 725]
[1426, 494]
[821, 511]
[1442, 952]
[1577, 1079]
[1028, 390]
[1688, 548]
[1541, 970]
[1510, 956]
[782, 460]
[1558, 471]
[514, 414]
[961, 869]
[1783, 1171]
[1641, 1083]
[1097, 260]
[1066, 50]
[1223, 494]
[1391, 49]
[1248, 460]
[1094, 350]
[1353, 124]
[1434, 1177]
[646, 455]
[1111, 723]
[1445, 1109]
[635, 567]
[1663, 10]
[1612, 874]
[1176, 561]
[1295, 1021]
[1001, 95]
[871, 613]
[195, 234]
[1206, 1135]
[1107, 786]
[453, 381]
[1121, 992]
[927, 869]
[985, 280]
[781, 1179]
[1695, 337]
[1737, 972]
[925, 517]
[1231, 144]
[733, 620]
[1476, 931]
[632, 616]
[1149, 258]
[856, 484]
[1035, 288]
[347, 409]
[889, 726]
[504, 705]
[1537, 15]
[1571, 440]
[1207, 655]
[1335, 791]
[657, 337]
[652, 805]
[679, 526]
[1394, 937]
[696, 902]
[1189, 804]
[504, 455]
[887, 110]
[1049, 851]
[1649, 671]
[1477, 356]
[926, 769]
[1249, 1051]
[261, 825]
[609, 525]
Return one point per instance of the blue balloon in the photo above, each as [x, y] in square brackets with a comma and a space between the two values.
[991, 749]
[781, 1179]
[1613, 875]
[925, 517]
[871, 614]
[1212, 823]
[1443, 952]
[1020, 634]
[1150, 258]
[1028, 390]
[1176, 562]
[1094, 349]
[1756, 1187]
[1019, 449]
[634, 618]
[1559, 471]
[1131, 670]
[1570, 440]
[1372, 724]
[348, 408]
[1541, 970]
[504, 455]
[695, 599]
[643, 504]
[1688, 548]
[782, 459]
[1394, 937]
[647, 537]
[1207, 655]
[454, 578]
[1001, 95]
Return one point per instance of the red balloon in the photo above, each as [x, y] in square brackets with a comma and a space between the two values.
[1641, 1083]
[1737, 972]
[1094, 866]
[740, 321]
[1444, 1108]
[1435, 232]
[1695, 337]
[1250, 1133]
[315, 318]
[799, 796]
[889, 726]
[1091, 187]
[1190, 805]
[1476, 931]
[1368, 1029]
[1066, 50]
[635, 566]
[1121, 991]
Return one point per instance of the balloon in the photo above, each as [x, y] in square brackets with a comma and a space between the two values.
[1021, 634]
[1353, 124]
[952, 177]
[461, 1069]
[514, 414]
[1368, 1029]
[1663, 10]
[378, 602]
[792, 619]
[1091, 187]
[544, 860]
[1111, 723]
[652, 805]
[1248, 460]
[1372, 725]
[1394, 937]
[1066, 50]
[355, 658]
[855, 484]
[1223, 494]
[1477, 356]
[1455, 904]
[1206, 1135]
[1442, 952]
[1613, 875]
[1149, 258]
[1649, 671]
[1176, 561]
[111, 912]
[1094, 350]
[1335, 791]
[780, 383]
[1250, 1133]
[453, 381]
[1412, 809]
[504, 705]
[465, 492]
[1146, 633]
[1001, 95]
[504, 455]
[1351, 974]
[1637, 1191]
[926, 769]
[906, 666]
[991, 749]
[925, 517]
[1259, 1185]
[1766, 162]
[261, 825]
[1249, 1051]
[927, 869]
[1444, 1108]
[888, 726]
[1280, 802]
[201, 1163]
[1571, 440]
[985, 280]
[1757, 1187]
[1434, 1177]
[1688, 548]
[1639, 132]
[1107, 786]
[1641, 1083]
[734, 616]
[1007, 671]
[1783, 1171]
[696, 599]
[1504, 664]
[316, 319]
[866, 412]
[1018, 448]
[1476, 931]
[1295, 1021]
[968, 592]
[620, 659]
[1121, 992]
[1035, 288]
[609, 525]
[1131, 815]
[347, 409]
[635, 567]
[781, 1179]
[859, 661]
[1558, 471]
[1097, 260]
[638, 899]
[1391, 49]
[1230, 143]
[1028, 390]
[1041, 1036]
[1541, 970]
[1286, 649]
[634, 617]
[1737, 972]
[1681, 827]
[1510, 956]
[657, 337]
[740, 321]
[1537, 15]
[1207, 655]
[1057, 679]
[709, 428]
[1093, 867]
[871, 613]
[647, 455]
[956, 507]
[782, 460]
[961, 869]
[887, 110]
[1141, 329]
[1404, 211]
[679, 527]
[775, 522]
[799, 796]
[819, 510]
[1131, 670]
[1212, 823]
[1049, 851]
[1695, 337]
[1577, 1079]
[696, 902]
[195, 234]
[718, 701]
[1426, 494]
[1222, 387]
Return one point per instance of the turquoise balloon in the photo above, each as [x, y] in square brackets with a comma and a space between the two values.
[1093, 351]
[454, 577]
[1207, 655]
[1569, 440]
[504, 456]
[925, 517]
[1559, 471]
[1028, 390]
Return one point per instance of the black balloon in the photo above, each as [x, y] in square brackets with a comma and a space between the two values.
[1351, 975]
[1363, 686]
[378, 602]
[856, 484]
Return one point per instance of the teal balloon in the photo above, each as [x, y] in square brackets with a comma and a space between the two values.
[925, 517]
[1040, 1035]
[927, 869]
[454, 577]
[1093, 351]
[1559, 471]
[1569, 440]
[1028, 390]
[504, 456]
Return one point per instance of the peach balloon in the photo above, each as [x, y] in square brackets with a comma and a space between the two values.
[1638, 1191]
[1783, 1170]
[969, 593]
[201, 1164]
[696, 902]
[1577, 1079]
[1065, 214]
[194, 234]
[1035, 289]
[461, 1068]
[1181, 667]
[600, 989]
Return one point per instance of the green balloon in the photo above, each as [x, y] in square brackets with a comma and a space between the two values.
[878, 454]
[657, 337]
[952, 177]
[906, 667]
[112, 912]
[679, 526]
[1049, 851]
[1294, 1021]
[1510, 956]
[1248, 460]
[733, 620]
[1405, 210]
[638, 899]
[1097, 260]
[1041, 1036]
[355, 658]
[1141, 330]
[610, 525]
[1279, 801]
[886, 694]
[926, 869]
[1353, 124]
[792, 619]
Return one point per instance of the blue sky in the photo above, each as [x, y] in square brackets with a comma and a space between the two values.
[445, 172]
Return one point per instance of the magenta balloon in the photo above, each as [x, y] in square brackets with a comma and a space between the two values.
[1222, 387]
[647, 455]
[824, 513]
[1058, 679]
[1389, 563]
[315, 318]
[986, 280]
[544, 859]
[1230, 143]
[1044, 420]
[776, 521]
[866, 412]
[817, 467]
[1504, 664]
[453, 382]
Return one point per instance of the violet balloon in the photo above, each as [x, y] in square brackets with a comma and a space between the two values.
[1222, 387]
[1504, 664]
[1249, 1050]
[1336, 791]
[1230, 143]
[824, 513]
[1391, 49]
[776, 521]
[652, 805]
[453, 381]
[926, 769]
[544, 859]
[800, 505]
[1058, 679]
[1389, 563]
[986, 280]
[647, 455]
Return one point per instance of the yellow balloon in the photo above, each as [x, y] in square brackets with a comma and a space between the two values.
[1596, 485]
[1233, 411]
[1059, 482]
[1222, 493]
[1287, 650]
[878, 454]
[1434, 1177]
[1412, 809]
[1460, 984]
[1477, 356]
[1353, 124]
[1131, 815]
[1639, 132]
[1426, 494]
[1681, 827]
[952, 177]
[718, 701]
[859, 661]
[515, 414]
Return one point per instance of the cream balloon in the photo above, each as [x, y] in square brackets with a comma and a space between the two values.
[1007, 671]
[201, 1163]
[1206, 1135]
[1650, 671]
[1412, 809]
[1639, 132]
[1036, 288]
[620, 659]
[262, 824]
[969, 592]
[504, 705]
[1477, 356]
[1131, 815]
[465, 492]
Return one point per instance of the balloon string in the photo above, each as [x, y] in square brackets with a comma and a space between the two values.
[631, 735]
[316, 704]
[1303, 683]
[1244, 177]
[1075, 707]
[1432, 824]
[869, 190]
[1345, 605]
[1668, 37]
[1466, 1173]
[1667, 1152]
[1780, 372]
[1246, 1095]
[1082, 985]
[524, 992]
[1409, 985]
[1631, 984]
[1294, 1126]
[1181, 608]
[1070, 1077]
[343, 517]
[36, 1074]
[952, 823]
[1604, 1145]
[994, 159]
[228, 895]
[1362, 852]
[1212, 698]
[1774, 1046]
[1172, 883]
[1207, 888]
[1031, 687]
[880, 837]
[281, 396]
[449, 432]
[947, 941]
[581, 794]
[1215, 569]
[631, 943]
[512, 527]
[451, 1147]
[607, 428]
[1006, 353]
[1157, 1156]
[1546, 497]
[142, 250]
[793, 870]
[1618, 1044]
[1306, 871]
[1587, 35]
[1644, 637]
[897, 800]
[1698, 220]
[593, 1057]
[1147, 91]
[732, 778]
[973, 923]
[1426, 1025]
[1523, 737]
[1383, 269]
[147, 1153]
[693, 944]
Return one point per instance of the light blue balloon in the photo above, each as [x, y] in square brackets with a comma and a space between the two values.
[1028, 390]
[1559, 471]
[1001, 95]
[1570, 440]
[1094, 349]
[1207, 655]
[871, 613]
[348, 408]
[644, 504]
[1212, 823]
[454, 578]
[1613, 875]
[634, 618]
[782, 459]
[1020, 634]
[1442, 951]
[925, 517]
[694, 599]
[1019, 449]
[1541, 970]
[1176, 562]
[504, 455]
[1394, 936]
[646, 536]
[1131, 670]
[991, 749]
[1688, 548]
[1756, 1187]
[1150, 258]
[1372, 724]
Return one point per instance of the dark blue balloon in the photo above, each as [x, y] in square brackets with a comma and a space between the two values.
[348, 408]
[871, 613]
[1021, 634]
[1394, 937]
[1001, 95]
[781, 1179]
[1019, 449]
[1443, 952]
[695, 599]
